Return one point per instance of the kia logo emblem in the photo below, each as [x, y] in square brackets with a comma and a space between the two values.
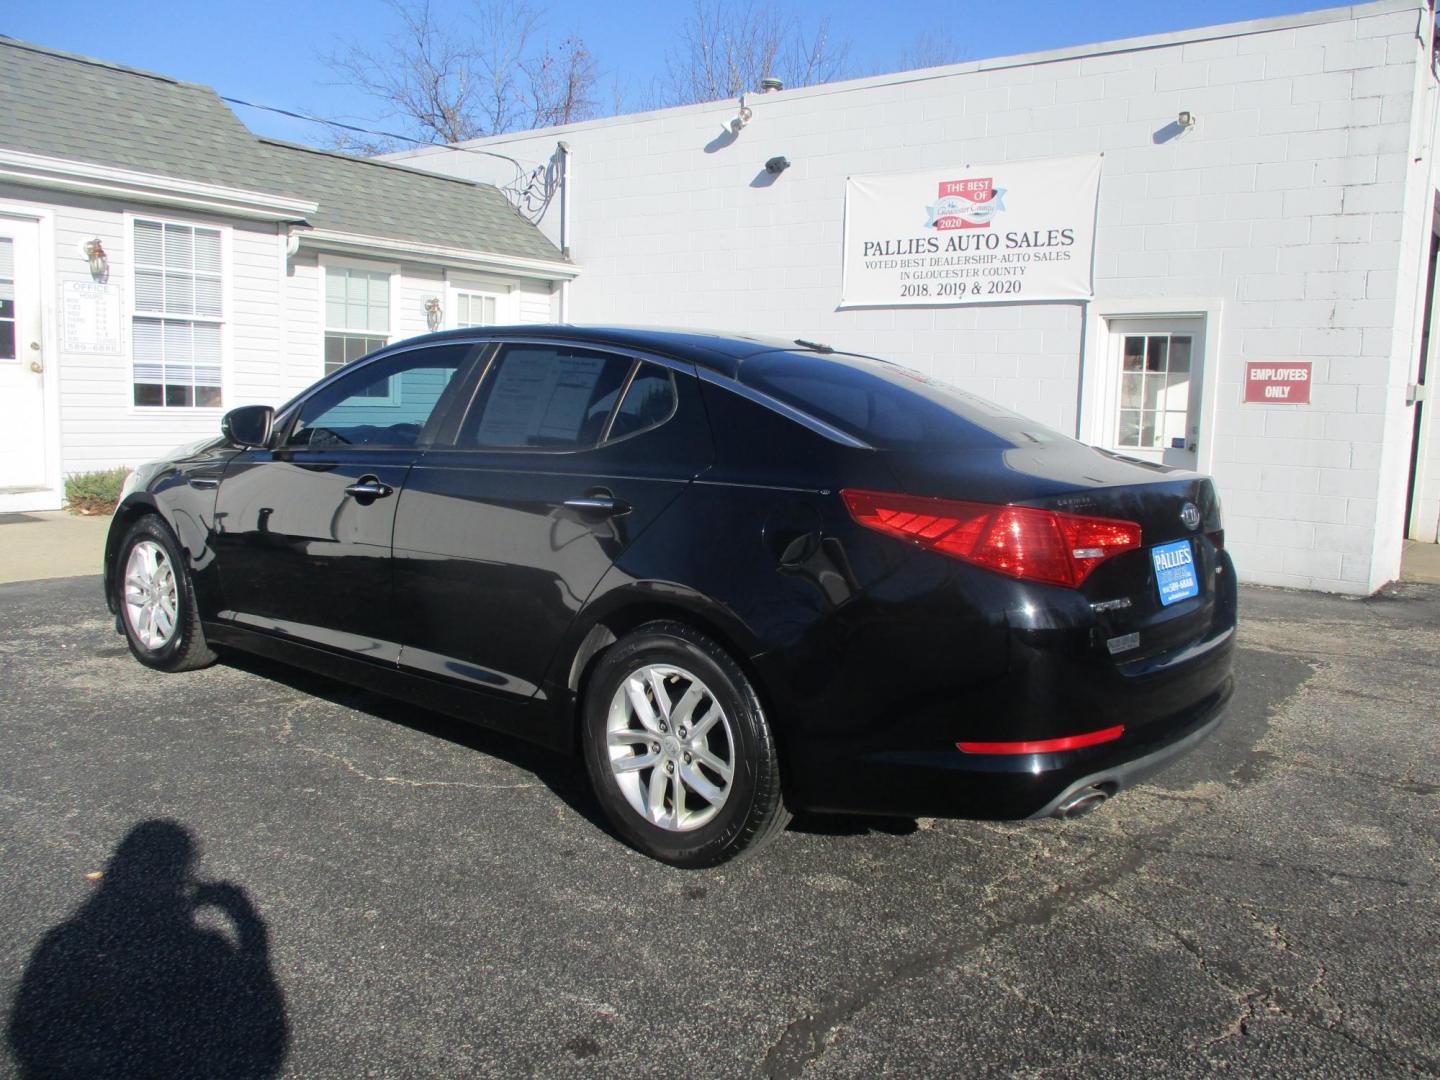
[1190, 516]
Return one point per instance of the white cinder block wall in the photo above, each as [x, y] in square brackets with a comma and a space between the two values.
[1299, 205]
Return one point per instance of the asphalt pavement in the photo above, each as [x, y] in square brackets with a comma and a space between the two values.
[248, 871]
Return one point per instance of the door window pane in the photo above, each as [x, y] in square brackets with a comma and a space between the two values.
[546, 397]
[382, 404]
[1130, 384]
[1156, 350]
[1134, 353]
[1154, 391]
[7, 298]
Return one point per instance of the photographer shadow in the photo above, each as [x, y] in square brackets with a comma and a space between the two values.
[132, 986]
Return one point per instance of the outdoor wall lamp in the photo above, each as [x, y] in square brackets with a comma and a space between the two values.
[741, 118]
[776, 165]
[99, 261]
[433, 313]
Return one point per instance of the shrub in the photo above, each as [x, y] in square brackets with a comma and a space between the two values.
[94, 492]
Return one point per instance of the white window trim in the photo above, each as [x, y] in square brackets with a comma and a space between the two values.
[392, 331]
[226, 320]
[507, 297]
[1100, 379]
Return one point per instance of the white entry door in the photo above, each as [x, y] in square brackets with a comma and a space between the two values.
[22, 364]
[1158, 366]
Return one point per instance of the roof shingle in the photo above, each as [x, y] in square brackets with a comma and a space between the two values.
[76, 108]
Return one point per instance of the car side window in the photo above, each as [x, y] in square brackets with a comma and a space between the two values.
[649, 402]
[545, 397]
[383, 404]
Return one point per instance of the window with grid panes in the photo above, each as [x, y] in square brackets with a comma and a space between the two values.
[357, 317]
[474, 309]
[177, 318]
[1154, 391]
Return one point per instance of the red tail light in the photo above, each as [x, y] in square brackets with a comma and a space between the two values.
[1023, 542]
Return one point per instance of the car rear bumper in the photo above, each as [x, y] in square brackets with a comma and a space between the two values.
[1115, 778]
[950, 783]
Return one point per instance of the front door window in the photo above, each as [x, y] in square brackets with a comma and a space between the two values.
[353, 411]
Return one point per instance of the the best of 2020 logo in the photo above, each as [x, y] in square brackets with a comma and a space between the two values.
[965, 204]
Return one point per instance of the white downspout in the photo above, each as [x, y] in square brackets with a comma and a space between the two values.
[562, 149]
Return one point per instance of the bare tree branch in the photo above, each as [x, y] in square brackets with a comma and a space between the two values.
[560, 85]
[727, 46]
[447, 83]
[931, 48]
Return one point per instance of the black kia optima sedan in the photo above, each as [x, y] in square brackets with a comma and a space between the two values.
[740, 577]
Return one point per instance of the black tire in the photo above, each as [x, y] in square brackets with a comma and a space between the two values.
[753, 813]
[186, 649]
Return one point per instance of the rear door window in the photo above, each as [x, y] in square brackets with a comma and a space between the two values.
[545, 397]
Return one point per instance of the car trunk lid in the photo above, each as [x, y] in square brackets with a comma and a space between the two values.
[1150, 600]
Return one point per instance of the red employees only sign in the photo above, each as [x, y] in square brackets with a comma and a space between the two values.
[1270, 382]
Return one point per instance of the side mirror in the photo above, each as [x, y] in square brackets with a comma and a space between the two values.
[249, 425]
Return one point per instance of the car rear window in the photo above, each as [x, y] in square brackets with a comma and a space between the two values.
[546, 396]
[886, 405]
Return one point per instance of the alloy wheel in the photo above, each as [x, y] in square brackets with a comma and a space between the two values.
[671, 747]
[151, 595]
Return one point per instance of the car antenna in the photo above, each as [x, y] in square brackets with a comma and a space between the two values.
[817, 346]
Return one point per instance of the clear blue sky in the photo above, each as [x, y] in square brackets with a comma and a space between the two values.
[269, 51]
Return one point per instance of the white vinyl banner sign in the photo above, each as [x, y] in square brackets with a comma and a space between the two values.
[978, 234]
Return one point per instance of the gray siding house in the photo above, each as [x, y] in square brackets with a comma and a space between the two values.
[160, 263]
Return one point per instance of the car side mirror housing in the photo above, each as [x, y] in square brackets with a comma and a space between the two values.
[249, 425]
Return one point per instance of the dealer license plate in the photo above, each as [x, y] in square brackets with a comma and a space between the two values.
[1175, 572]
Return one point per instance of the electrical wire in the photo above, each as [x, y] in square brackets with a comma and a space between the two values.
[529, 192]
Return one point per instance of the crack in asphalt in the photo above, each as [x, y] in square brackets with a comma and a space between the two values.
[402, 781]
[285, 729]
[1275, 864]
[807, 1038]
[1405, 784]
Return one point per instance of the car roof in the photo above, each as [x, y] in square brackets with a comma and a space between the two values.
[711, 349]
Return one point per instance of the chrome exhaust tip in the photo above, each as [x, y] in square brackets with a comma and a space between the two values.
[1082, 802]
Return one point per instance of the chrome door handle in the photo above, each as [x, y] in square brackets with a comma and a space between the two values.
[369, 487]
[606, 505]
